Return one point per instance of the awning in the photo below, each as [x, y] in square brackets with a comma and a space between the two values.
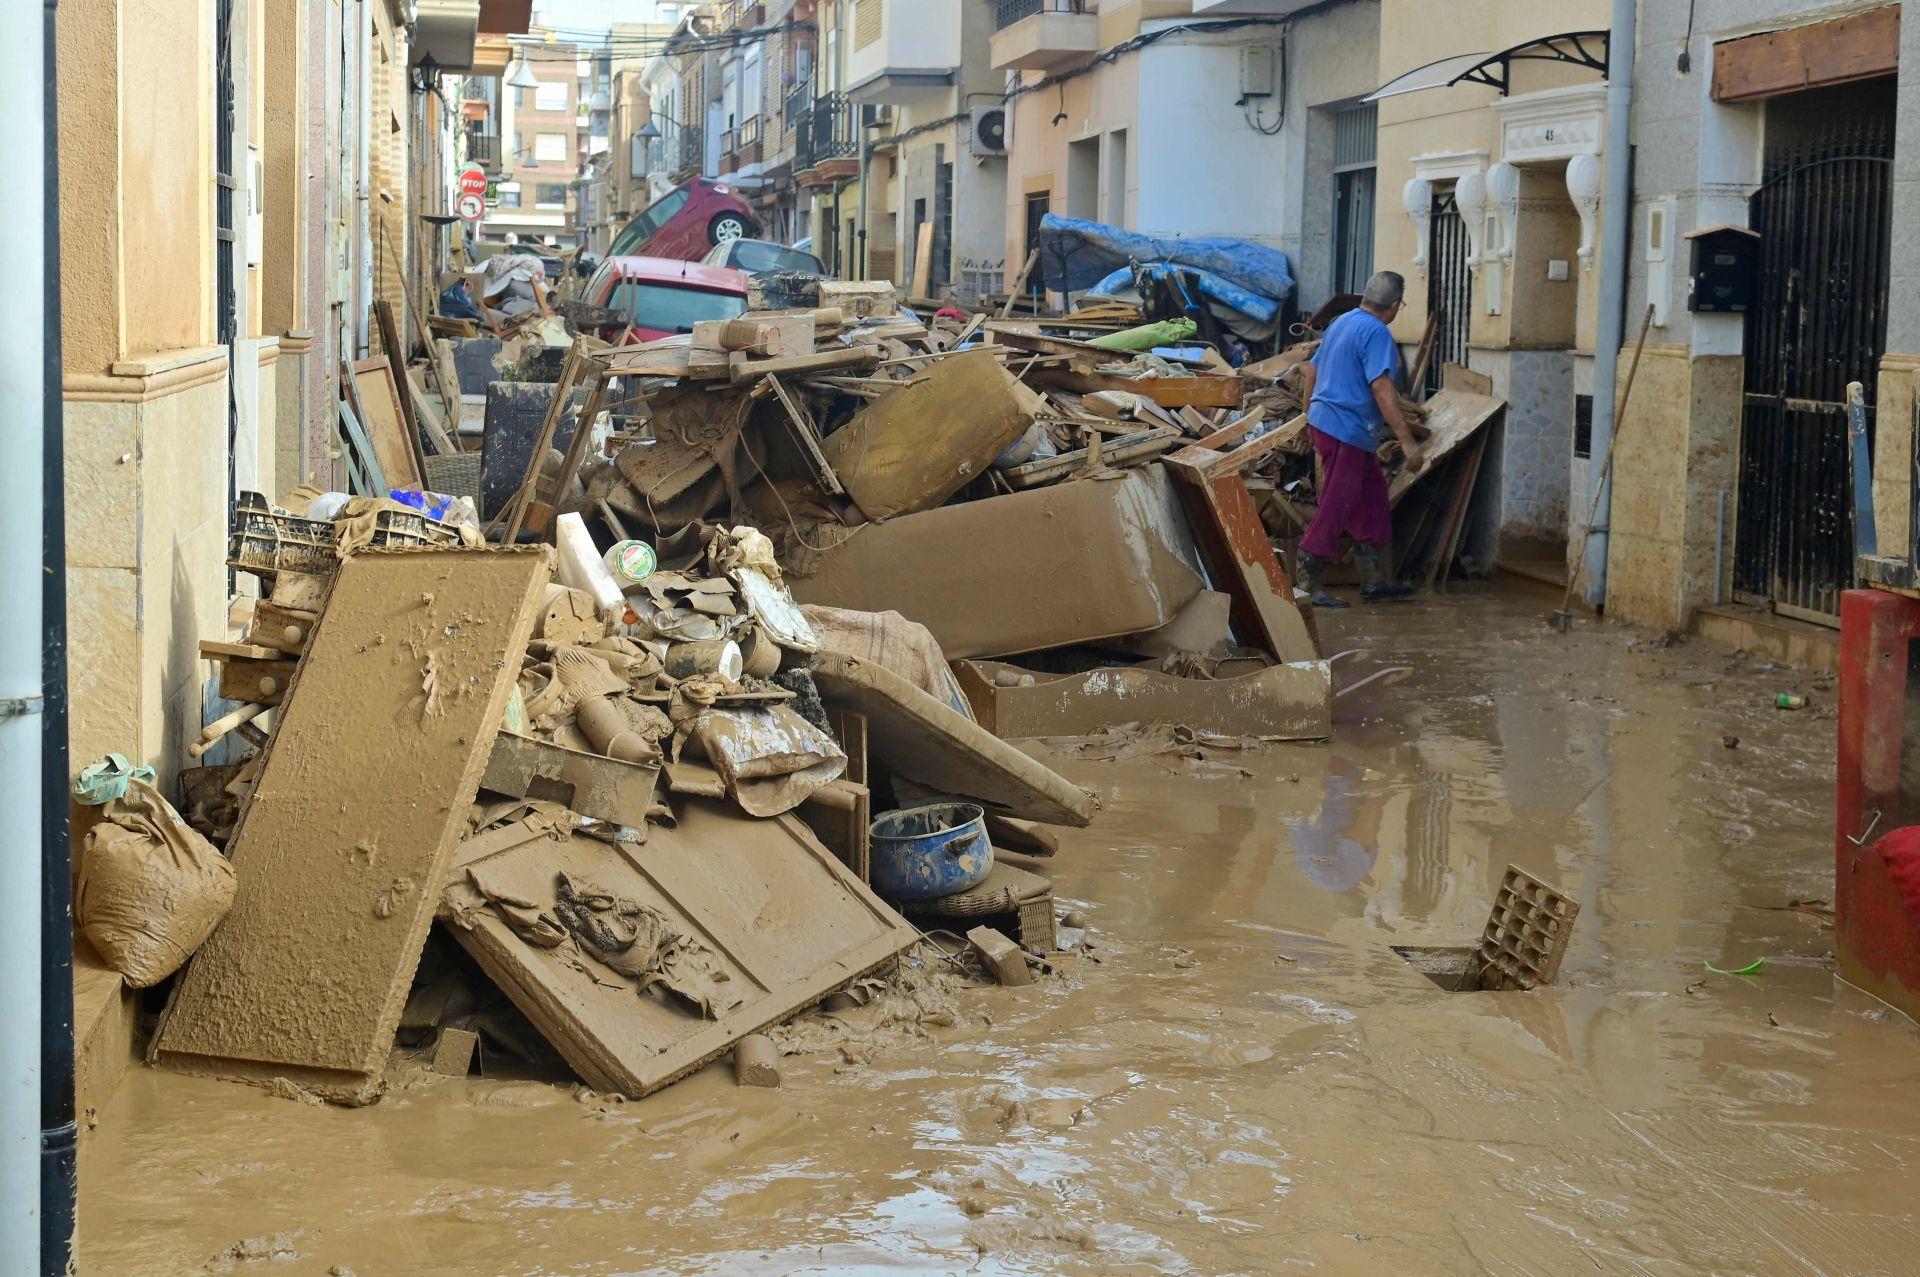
[1580, 48]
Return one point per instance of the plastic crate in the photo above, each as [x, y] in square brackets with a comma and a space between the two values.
[264, 541]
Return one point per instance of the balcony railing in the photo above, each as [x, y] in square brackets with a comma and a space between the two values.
[749, 131]
[692, 146]
[484, 149]
[824, 133]
[1008, 12]
[798, 104]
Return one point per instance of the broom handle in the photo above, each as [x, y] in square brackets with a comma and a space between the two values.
[1606, 465]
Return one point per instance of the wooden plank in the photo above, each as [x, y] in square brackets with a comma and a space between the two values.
[1206, 390]
[1020, 282]
[745, 370]
[217, 651]
[1227, 526]
[1453, 416]
[1115, 452]
[396, 353]
[342, 851]
[256, 682]
[1857, 47]
[778, 915]
[570, 372]
[426, 413]
[591, 784]
[363, 465]
[385, 423]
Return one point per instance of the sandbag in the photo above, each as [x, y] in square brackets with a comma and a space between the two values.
[151, 888]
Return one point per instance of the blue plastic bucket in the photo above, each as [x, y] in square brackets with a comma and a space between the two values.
[923, 853]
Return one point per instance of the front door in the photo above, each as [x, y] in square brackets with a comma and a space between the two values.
[1450, 289]
[1819, 322]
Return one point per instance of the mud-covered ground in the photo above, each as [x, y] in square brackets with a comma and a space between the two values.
[1248, 1080]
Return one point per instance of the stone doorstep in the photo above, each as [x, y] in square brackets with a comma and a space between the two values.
[1744, 627]
[105, 1026]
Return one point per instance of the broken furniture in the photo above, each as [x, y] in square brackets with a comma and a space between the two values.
[779, 922]
[361, 800]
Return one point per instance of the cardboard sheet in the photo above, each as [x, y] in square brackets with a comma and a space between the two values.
[786, 921]
[1291, 702]
[343, 850]
[925, 741]
[1075, 562]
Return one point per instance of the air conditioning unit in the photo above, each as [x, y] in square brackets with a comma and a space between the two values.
[987, 131]
[876, 115]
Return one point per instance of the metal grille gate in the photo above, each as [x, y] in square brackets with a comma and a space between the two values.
[1819, 321]
[1449, 287]
[226, 302]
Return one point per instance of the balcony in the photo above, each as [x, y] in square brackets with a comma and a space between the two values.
[1041, 35]
[825, 147]
[690, 150]
[900, 49]
[484, 149]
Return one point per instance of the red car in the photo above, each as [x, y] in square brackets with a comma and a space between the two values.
[661, 296]
[686, 222]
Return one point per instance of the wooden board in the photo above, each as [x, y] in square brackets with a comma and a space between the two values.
[345, 846]
[1453, 416]
[1837, 51]
[386, 423]
[1289, 702]
[786, 922]
[1227, 525]
[1205, 390]
[1116, 452]
[917, 737]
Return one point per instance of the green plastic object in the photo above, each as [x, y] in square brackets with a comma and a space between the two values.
[1749, 969]
[99, 783]
[1167, 332]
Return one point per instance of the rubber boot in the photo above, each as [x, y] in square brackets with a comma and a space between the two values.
[1312, 570]
[1379, 585]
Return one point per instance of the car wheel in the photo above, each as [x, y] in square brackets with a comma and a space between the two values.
[726, 228]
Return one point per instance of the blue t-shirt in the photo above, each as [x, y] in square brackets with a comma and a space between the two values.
[1357, 349]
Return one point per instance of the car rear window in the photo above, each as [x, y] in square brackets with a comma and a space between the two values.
[642, 228]
[666, 308]
[753, 258]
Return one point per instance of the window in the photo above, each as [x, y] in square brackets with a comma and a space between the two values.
[551, 148]
[1355, 146]
[509, 197]
[1583, 426]
[550, 195]
[665, 308]
[1038, 205]
[642, 228]
[550, 97]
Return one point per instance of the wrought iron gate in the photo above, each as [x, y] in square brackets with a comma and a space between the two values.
[1819, 321]
[1449, 287]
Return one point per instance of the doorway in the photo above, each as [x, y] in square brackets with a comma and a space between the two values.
[1450, 288]
[1819, 321]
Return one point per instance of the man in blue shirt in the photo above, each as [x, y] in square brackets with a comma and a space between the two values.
[1352, 400]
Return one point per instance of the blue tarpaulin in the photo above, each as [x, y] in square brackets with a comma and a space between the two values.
[1076, 254]
[1253, 305]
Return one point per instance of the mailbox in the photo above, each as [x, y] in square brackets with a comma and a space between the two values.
[1725, 263]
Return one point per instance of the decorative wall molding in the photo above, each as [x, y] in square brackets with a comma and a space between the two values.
[148, 377]
[1583, 188]
[1417, 198]
[1470, 196]
[1503, 188]
[1449, 166]
[1553, 124]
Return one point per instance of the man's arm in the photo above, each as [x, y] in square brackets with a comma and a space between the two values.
[1387, 396]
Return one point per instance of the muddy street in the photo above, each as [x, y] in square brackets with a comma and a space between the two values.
[1237, 1073]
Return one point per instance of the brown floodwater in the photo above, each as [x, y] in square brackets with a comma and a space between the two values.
[1248, 1079]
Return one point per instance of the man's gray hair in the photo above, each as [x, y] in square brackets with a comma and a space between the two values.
[1384, 289]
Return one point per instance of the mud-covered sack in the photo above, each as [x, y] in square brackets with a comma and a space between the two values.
[151, 888]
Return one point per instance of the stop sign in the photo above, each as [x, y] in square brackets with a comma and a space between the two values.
[472, 181]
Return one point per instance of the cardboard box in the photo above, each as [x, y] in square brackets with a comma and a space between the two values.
[1289, 702]
[1073, 563]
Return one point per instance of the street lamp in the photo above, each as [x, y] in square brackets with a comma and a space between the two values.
[521, 75]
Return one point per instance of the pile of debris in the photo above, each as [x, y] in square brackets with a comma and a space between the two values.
[686, 708]
[637, 800]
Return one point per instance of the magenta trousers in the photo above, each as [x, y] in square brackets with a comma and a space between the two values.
[1353, 499]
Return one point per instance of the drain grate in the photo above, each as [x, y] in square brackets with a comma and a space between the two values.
[1527, 933]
